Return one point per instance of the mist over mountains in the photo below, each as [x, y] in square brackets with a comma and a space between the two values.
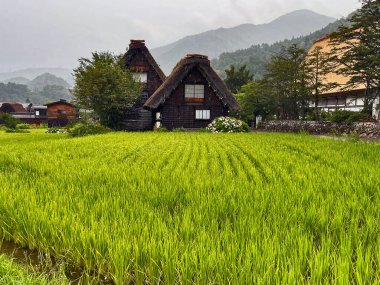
[212, 43]
[215, 42]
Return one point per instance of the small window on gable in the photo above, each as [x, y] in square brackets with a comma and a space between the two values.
[140, 77]
[194, 92]
[202, 114]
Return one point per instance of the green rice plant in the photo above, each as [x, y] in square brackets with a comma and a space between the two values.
[11, 273]
[196, 208]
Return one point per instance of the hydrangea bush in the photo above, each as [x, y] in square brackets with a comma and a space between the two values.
[227, 125]
[56, 131]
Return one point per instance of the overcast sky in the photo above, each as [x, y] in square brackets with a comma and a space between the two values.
[55, 33]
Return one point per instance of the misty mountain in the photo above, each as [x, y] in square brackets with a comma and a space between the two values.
[257, 57]
[215, 42]
[32, 73]
[13, 92]
[41, 90]
[18, 80]
[47, 79]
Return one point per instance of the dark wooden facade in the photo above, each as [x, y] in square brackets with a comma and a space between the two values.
[139, 60]
[61, 113]
[177, 112]
[174, 110]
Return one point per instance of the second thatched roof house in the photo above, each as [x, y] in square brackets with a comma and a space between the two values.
[140, 62]
[192, 96]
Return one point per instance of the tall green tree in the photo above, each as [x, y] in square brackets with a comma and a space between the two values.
[356, 52]
[236, 78]
[286, 79]
[255, 100]
[318, 67]
[104, 86]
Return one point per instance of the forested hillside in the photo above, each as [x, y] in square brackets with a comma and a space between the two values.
[257, 56]
[215, 42]
[12, 92]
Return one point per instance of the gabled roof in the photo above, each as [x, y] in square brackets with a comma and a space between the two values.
[138, 46]
[60, 102]
[182, 69]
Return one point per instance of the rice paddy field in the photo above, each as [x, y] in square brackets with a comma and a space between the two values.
[196, 208]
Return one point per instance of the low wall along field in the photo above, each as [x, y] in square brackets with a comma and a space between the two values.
[367, 130]
[196, 208]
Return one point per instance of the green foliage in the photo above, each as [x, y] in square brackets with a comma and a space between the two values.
[160, 130]
[23, 126]
[286, 81]
[196, 208]
[227, 125]
[88, 128]
[255, 100]
[236, 78]
[12, 273]
[19, 131]
[102, 85]
[51, 93]
[356, 52]
[178, 130]
[348, 117]
[12, 92]
[9, 121]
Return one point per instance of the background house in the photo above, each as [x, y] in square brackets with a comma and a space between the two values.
[61, 113]
[139, 61]
[339, 97]
[25, 112]
[192, 96]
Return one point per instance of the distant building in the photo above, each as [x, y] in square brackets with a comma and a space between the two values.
[26, 113]
[339, 97]
[192, 96]
[61, 113]
[139, 61]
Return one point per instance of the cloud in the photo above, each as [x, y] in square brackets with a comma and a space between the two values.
[242, 11]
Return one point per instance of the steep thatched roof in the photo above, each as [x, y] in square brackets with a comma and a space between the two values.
[332, 77]
[181, 70]
[12, 107]
[138, 46]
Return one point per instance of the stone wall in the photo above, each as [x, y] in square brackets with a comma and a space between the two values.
[364, 130]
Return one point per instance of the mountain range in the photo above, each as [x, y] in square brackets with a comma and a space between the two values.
[24, 76]
[257, 57]
[215, 42]
[41, 90]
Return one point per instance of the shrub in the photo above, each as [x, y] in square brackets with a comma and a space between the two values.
[227, 125]
[179, 130]
[88, 128]
[160, 130]
[348, 117]
[19, 131]
[9, 121]
[23, 126]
